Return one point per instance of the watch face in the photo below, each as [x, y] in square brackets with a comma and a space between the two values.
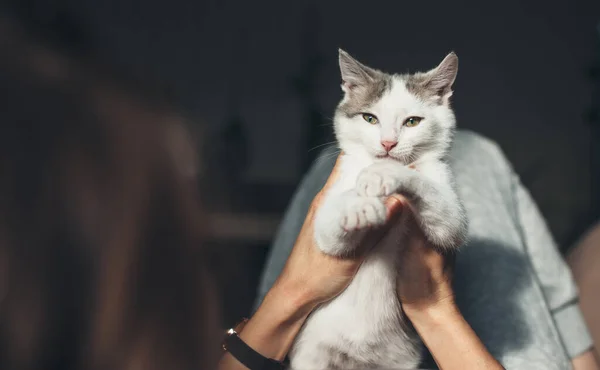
[244, 353]
[233, 331]
[229, 333]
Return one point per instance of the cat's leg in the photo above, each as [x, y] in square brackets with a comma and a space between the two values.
[437, 206]
[343, 219]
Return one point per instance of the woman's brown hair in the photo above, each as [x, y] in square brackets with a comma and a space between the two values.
[100, 258]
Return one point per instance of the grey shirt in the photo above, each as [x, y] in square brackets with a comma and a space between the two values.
[512, 284]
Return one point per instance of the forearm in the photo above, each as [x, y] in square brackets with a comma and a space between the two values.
[451, 340]
[272, 329]
[585, 361]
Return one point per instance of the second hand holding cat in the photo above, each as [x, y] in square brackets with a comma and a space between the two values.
[424, 277]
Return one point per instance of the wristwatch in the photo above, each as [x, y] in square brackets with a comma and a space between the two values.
[244, 353]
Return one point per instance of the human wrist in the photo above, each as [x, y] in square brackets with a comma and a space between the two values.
[450, 339]
[288, 302]
[274, 326]
[433, 314]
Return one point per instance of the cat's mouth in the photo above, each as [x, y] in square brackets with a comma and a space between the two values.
[388, 155]
[392, 157]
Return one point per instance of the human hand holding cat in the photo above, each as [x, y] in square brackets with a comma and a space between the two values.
[311, 277]
[424, 277]
[424, 287]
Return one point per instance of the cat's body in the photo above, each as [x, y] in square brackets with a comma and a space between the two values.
[385, 152]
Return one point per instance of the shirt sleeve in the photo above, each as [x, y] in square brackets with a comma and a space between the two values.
[553, 273]
[293, 220]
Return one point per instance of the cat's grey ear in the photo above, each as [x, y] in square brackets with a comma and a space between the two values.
[354, 73]
[440, 79]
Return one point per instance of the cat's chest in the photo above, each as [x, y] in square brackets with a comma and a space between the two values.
[349, 169]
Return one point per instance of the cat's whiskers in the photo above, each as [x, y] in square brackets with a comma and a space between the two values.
[322, 145]
[328, 157]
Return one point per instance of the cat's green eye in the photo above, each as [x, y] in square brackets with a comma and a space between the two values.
[370, 118]
[412, 121]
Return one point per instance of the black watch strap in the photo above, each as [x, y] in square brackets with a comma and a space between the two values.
[247, 356]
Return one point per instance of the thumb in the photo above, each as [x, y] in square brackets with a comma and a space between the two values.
[395, 204]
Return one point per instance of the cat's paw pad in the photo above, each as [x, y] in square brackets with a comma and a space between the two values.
[379, 181]
[362, 213]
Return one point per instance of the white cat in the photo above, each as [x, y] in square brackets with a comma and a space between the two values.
[384, 124]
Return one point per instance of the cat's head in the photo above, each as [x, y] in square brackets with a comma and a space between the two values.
[405, 117]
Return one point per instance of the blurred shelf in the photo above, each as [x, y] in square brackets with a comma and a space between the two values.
[244, 213]
[248, 228]
[247, 197]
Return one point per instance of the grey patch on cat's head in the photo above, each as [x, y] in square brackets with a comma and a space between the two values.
[437, 83]
[363, 85]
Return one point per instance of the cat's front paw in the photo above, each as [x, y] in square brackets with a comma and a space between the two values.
[361, 213]
[340, 224]
[381, 179]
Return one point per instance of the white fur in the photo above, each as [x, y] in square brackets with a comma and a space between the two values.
[364, 326]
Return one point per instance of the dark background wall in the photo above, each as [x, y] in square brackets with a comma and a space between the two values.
[523, 79]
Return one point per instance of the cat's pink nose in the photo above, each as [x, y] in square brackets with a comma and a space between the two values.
[388, 145]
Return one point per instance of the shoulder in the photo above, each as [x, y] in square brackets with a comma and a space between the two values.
[473, 153]
[482, 174]
[467, 143]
